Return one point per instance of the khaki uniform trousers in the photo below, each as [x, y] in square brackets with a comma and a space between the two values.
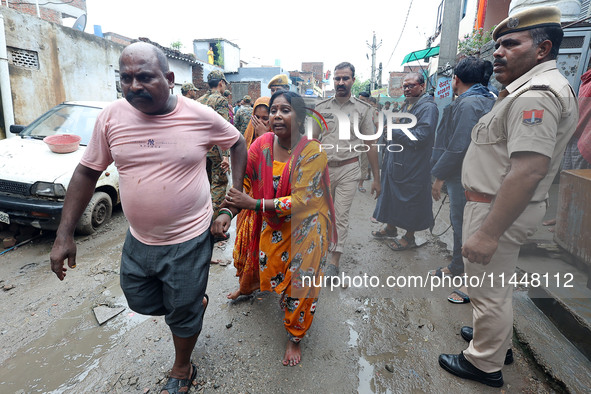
[343, 186]
[364, 164]
[492, 303]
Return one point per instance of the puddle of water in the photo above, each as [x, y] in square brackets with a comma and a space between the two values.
[353, 335]
[57, 362]
[366, 371]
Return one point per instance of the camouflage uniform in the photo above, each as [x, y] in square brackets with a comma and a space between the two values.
[203, 99]
[218, 179]
[242, 118]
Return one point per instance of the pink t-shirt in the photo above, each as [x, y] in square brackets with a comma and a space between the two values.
[161, 163]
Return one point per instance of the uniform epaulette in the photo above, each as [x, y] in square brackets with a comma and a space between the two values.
[362, 102]
[323, 101]
[539, 87]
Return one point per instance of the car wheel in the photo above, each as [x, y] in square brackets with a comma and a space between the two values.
[97, 213]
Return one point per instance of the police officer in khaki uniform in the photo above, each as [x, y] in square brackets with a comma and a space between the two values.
[343, 155]
[278, 82]
[218, 162]
[514, 155]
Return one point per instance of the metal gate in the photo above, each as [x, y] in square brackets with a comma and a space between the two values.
[239, 90]
[573, 58]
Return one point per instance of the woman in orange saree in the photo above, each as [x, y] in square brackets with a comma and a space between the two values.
[293, 225]
[246, 259]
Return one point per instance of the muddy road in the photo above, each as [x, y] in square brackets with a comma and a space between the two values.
[364, 339]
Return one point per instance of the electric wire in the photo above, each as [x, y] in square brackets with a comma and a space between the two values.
[401, 33]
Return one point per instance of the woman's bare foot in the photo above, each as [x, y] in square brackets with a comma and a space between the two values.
[293, 354]
[550, 222]
[233, 295]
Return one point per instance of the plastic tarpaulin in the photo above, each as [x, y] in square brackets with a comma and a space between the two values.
[423, 53]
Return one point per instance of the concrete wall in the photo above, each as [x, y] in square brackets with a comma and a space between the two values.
[183, 72]
[231, 57]
[469, 19]
[230, 53]
[72, 65]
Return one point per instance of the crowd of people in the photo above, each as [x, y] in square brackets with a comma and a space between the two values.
[292, 196]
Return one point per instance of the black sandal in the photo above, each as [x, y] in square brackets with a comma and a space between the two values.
[174, 385]
[385, 234]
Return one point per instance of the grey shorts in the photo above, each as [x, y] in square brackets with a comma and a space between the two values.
[168, 280]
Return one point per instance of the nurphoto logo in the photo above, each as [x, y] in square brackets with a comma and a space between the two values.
[394, 121]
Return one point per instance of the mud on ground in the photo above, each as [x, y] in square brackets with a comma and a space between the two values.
[362, 340]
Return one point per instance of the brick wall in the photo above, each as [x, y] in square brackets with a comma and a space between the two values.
[395, 84]
[198, 81]
[46, 13]
[254, 90]
[316, 68]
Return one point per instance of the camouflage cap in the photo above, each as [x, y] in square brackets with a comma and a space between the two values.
[227, 93]
[188, 86]
[246, 98]
[216, 74]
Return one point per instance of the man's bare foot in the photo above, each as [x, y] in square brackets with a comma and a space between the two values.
[458, 298]
[550, 222]
[233, 295]
[293, 354]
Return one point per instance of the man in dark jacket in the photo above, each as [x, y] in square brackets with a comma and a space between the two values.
[451, 143]
[405, 201]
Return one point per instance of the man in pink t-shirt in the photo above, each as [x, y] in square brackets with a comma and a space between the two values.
[158, 142]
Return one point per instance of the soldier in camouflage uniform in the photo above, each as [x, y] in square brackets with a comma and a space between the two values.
[243, 115]
[189, 90]
[217, 159]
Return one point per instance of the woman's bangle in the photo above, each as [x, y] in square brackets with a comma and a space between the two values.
[227, 212]
[263, 204]
[257, 206]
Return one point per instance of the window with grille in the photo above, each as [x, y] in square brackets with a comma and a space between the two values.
[23, 58]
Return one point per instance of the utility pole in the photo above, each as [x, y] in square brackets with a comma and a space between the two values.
[448, 48]
[373, 48]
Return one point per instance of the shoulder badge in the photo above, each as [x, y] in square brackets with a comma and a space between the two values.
[533, 117]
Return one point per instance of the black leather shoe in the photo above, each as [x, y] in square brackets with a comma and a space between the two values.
[468, 333]
[458, 365]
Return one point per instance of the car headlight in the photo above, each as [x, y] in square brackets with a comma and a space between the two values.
[46, 189]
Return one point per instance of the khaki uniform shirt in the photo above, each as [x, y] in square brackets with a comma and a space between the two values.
[534, 121]
[353, 109]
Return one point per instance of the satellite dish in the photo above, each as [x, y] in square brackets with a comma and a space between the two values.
[80, 23]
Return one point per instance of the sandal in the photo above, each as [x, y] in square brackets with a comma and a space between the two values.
[385, 233]
[439, 273]
[465, 298]
[396, 246]
[361, 189]
[174, 385]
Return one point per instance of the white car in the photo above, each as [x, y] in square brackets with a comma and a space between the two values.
[33, 179]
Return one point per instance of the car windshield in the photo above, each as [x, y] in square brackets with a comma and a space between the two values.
[64, 119]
